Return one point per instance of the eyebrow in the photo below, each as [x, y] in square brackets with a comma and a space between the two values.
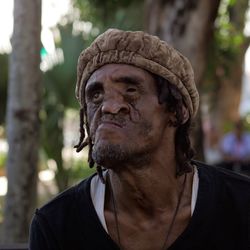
[134, 80]
[93, 86]
[129, 80]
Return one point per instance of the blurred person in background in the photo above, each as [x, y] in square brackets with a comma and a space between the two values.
[138, 99]
[235, 148]
[212, 150]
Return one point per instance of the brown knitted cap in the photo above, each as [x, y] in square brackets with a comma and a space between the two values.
[144, 51]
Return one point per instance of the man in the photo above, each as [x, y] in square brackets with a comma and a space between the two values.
[235, 147]
[138, 98]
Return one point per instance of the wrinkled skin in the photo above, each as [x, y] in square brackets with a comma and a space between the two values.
[132, 137]
[125, 118]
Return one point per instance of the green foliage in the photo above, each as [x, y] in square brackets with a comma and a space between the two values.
[231, 2]
[227, 35]
[3, 158]
[226, 44]
[60, 81]
[80, 170]
[121, 14]
[229, 125]
[59, 95]
[247, 122]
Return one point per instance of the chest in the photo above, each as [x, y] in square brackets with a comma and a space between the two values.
[129, 234]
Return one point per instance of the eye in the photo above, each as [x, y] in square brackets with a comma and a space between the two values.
[96, 96]
[131, 90]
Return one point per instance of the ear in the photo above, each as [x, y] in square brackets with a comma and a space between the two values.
[172, 120]
[185, 114]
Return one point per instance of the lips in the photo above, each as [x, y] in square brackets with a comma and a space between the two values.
[111, 120]
[110, 124]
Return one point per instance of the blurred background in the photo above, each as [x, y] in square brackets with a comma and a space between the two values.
[40, 42]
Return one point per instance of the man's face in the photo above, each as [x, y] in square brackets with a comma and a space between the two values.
[127, 124]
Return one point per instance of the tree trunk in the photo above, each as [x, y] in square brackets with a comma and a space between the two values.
[227, 109]
[24, 97]
[188, 26]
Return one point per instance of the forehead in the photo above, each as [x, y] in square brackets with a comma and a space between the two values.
[118, 71]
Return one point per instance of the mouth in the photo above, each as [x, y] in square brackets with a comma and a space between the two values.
[110, 124]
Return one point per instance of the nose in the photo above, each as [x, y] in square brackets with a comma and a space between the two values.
[114, 105]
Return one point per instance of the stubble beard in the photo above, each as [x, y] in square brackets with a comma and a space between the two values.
[109, 155]
[114, 156]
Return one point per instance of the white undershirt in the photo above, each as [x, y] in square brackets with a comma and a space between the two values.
[97, 191]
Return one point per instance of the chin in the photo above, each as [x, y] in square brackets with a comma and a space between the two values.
[109, 138]
[114, 156]
[108, 154]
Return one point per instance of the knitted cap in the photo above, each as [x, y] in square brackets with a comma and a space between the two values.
[141, 50]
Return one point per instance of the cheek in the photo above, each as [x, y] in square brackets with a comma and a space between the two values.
[141, 109]
[90, 115]
[93, 116]
[134, 114]
[156, 121]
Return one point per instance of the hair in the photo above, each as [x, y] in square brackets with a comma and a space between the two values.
[171, 96]
[167, 94]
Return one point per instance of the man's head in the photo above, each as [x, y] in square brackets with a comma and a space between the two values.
[131, 86]
[126, 120]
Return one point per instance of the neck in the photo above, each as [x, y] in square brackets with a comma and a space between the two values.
[150, 190]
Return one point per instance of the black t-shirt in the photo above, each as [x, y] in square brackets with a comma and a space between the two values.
[221, 219]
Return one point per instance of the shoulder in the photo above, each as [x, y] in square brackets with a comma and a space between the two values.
[67, 205]
[225, 182]
[223, 206]
[63, 221]
[221, 173]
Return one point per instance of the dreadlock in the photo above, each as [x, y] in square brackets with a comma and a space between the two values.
[81, 144]
[170, 95]
[87, 142]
